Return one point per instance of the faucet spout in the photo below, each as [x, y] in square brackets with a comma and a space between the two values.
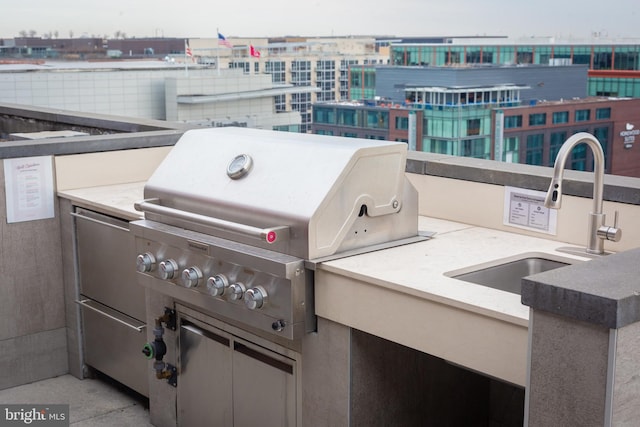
[553, 200]
[554, 195]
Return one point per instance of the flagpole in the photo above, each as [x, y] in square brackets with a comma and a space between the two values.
[186, 64]
[218, 50]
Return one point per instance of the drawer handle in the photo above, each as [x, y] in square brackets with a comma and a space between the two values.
[84, 303]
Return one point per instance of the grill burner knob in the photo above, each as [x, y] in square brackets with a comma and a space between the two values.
[254, 298]
[217, 285]
[237, 290]
[168, 269]
[145, 262]
[191, 276]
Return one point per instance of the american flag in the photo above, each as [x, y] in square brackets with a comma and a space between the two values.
[187, 49]
[223, 41]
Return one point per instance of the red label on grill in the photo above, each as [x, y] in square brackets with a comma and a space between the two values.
[271, 236]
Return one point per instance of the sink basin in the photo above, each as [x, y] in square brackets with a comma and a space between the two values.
[505, 275]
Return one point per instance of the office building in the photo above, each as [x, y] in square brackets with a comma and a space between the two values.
[519, 114]
[159, 90]
[614, 65]
[319, 62]
[318, 68]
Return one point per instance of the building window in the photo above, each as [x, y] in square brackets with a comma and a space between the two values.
[278, 72]
[583, 115]
[473, 127]
[301, 73]
[326, 80]
[538, 119]
[244, 66]
[281, 103]
[377, 119]
[511, 122]
[402, 123]
[511, 153]
[535, 146]
[560, 117]
[603, 113]
[473, 148]
[324, 115]
[347, 117]
[277, 69]
[441, 146]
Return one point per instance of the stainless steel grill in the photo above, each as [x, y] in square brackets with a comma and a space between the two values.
[236, 219]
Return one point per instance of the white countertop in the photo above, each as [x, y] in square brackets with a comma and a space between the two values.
[403, 294]
[116, 200]
[419, 268]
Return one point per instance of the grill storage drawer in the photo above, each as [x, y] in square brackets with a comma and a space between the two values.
[106, 260]
[113, 303]
[113, 344]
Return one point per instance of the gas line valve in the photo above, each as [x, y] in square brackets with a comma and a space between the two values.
[157, 348]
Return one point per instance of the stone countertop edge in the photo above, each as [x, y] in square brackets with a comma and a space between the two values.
[604, 292]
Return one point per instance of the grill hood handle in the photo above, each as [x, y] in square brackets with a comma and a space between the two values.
[269, 235]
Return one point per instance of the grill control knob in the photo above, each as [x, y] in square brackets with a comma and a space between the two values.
[168, 269]
[191, 276]
[217, 285]
[237, 290]
[145, 262]
[255, 298]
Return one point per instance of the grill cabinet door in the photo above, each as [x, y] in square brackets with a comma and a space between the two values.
[204, 382]
[264, 392]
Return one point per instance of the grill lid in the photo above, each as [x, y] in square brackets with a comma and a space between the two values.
[305, 195]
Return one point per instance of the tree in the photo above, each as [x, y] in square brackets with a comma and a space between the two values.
[32, 33]
[23, 34]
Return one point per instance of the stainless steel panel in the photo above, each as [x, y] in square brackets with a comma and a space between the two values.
[288, 284]
[226, 380]
[106, 259]
[113, 345]
[264, 387]
[205, 380]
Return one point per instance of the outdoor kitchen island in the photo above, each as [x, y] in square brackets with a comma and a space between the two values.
[398, 339]
[389, 319]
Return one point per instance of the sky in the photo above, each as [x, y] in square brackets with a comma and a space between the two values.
[260, 18]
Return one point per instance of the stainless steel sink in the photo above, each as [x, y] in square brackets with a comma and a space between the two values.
[506, 274]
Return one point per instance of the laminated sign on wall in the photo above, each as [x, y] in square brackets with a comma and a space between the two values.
[29, 188]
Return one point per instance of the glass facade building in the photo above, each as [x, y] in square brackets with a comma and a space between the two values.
[614, 69]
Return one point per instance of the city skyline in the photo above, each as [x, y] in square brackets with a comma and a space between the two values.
[190, 18]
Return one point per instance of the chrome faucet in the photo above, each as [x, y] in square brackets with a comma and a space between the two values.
[597, 230]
